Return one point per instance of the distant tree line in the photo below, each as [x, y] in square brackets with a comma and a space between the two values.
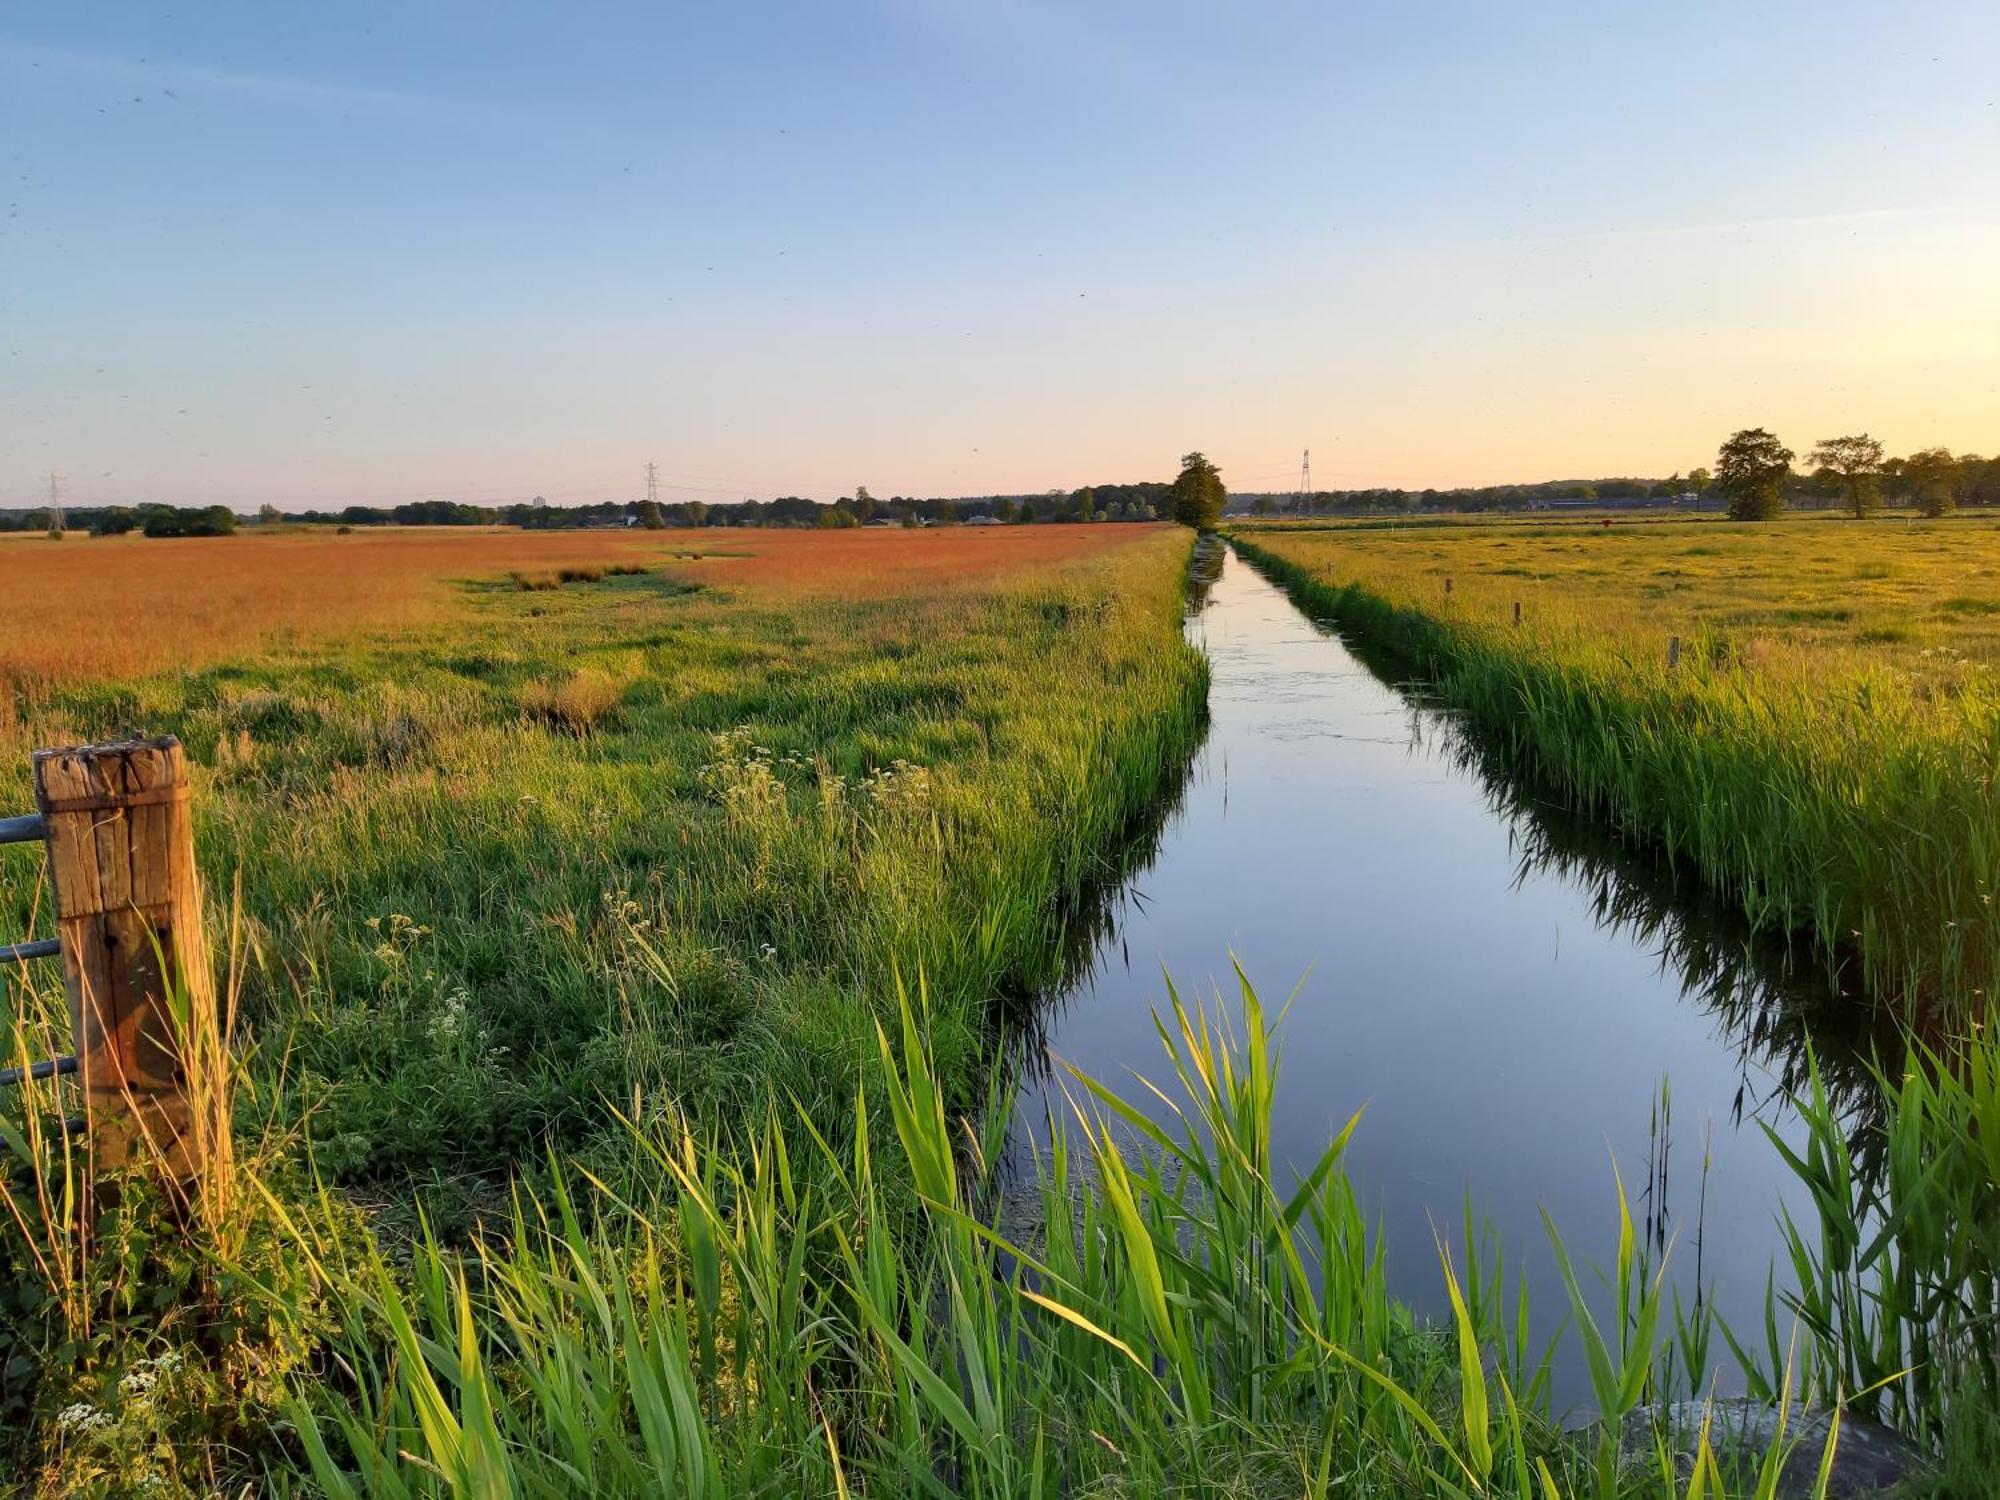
[1754, 477]
[117, 520]
[1676, 489]
[1851, 473]
[1754, 474]
[1109, 502]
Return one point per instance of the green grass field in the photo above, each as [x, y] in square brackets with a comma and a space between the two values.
[1920, 597]
[638, 835]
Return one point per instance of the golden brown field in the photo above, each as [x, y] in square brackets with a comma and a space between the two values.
[861, 563]
[117, 607]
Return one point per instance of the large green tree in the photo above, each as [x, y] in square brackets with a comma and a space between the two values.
[1751, 469]
[1856, 461]
[1933, 477]
[1198, 493]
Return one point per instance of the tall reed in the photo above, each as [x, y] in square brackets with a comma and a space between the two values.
[1898, 1264]
[1196, 1317]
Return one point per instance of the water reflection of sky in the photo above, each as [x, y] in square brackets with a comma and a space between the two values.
[1504, 991]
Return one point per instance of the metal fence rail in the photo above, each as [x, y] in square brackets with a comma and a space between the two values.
[55, 1067]
[26, 829]
[30, 829]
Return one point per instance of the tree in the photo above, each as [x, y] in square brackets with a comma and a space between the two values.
[1003, 508]
[1698, 481]
[650, 516]
[1751, 469]
[173, 520]
[1857, 463]
[864, 503]
[1981, 478]
[1932, 475]
[269, 514]
[1198, 493]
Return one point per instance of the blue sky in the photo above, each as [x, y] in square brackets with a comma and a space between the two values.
[377, 252]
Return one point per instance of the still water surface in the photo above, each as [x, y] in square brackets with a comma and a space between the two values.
[1502, 987]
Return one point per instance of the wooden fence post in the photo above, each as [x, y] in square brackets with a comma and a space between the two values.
[121, 862]
[1673, 652]
[1517, 614]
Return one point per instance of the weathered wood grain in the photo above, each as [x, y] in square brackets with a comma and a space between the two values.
[128, 916]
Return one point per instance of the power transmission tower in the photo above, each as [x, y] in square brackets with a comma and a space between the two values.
[56, 525]
[1305, 481]
[652, 484]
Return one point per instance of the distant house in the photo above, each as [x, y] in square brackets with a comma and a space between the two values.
[981, 521]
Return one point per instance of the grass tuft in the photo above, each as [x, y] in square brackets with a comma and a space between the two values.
[578, 702]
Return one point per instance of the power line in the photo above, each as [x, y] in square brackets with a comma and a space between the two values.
[1305, 480]
[56, 526]
[652, 483]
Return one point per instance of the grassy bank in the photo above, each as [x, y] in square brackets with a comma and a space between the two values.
[1824, 748]
[1824, 751]
[643, 841]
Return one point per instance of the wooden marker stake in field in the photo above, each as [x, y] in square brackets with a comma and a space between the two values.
[128, 913]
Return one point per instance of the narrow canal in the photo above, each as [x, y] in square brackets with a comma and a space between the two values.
[1516, 1001]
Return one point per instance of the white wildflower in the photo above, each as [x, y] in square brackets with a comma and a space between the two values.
[81, 1417]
